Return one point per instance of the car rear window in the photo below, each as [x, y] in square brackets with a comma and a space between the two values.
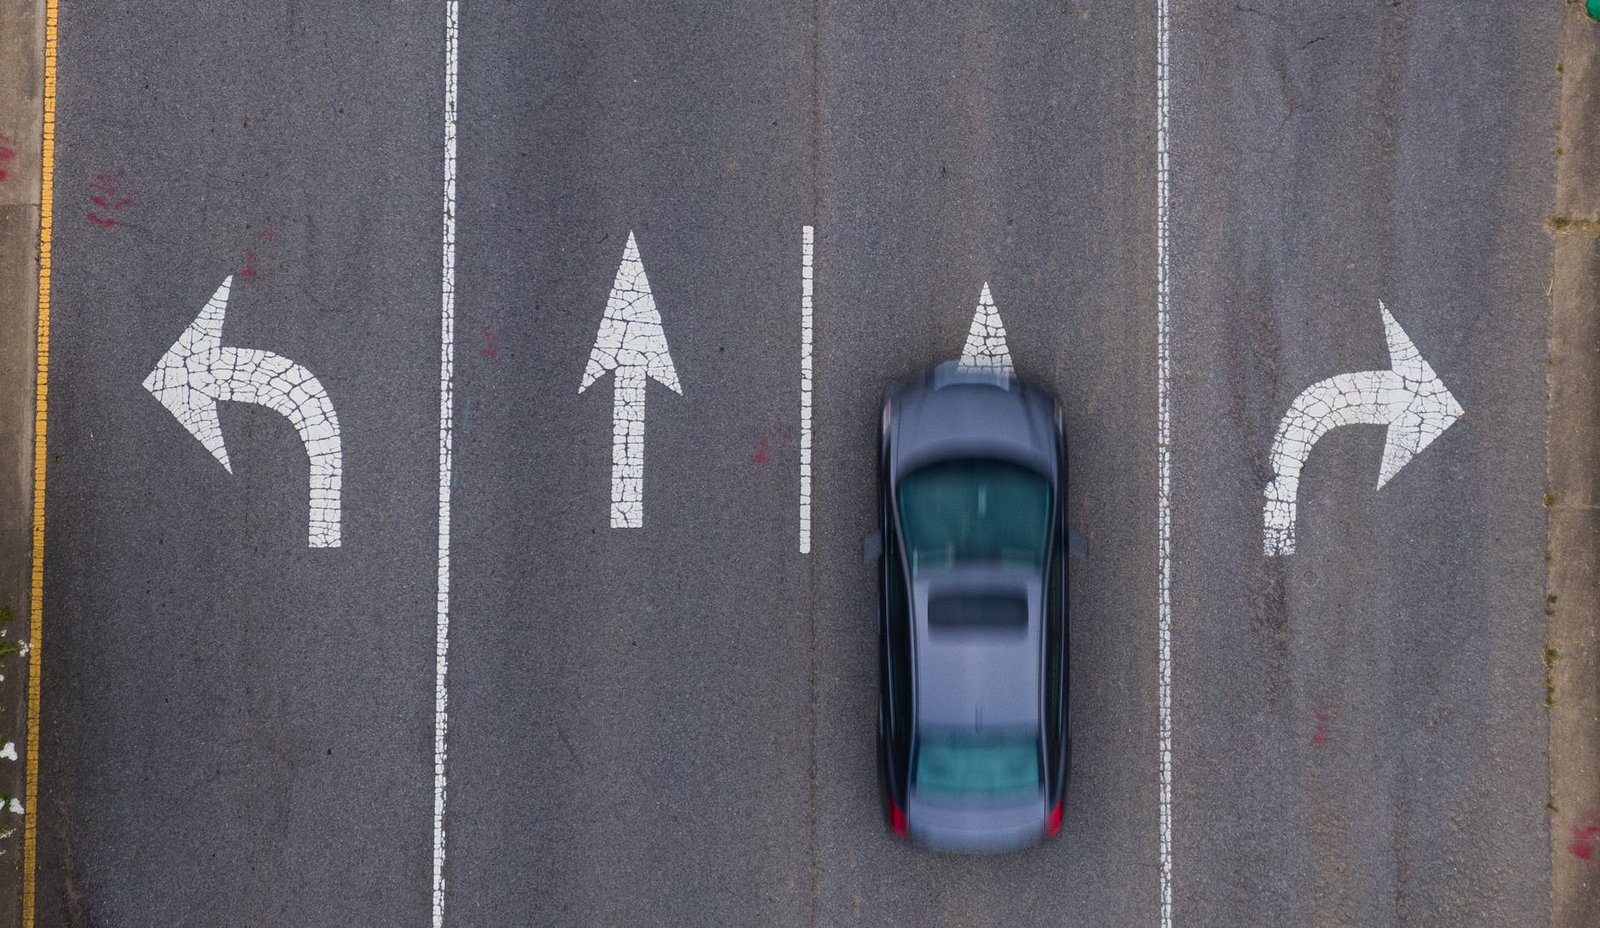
[963, 612]
[991, 766]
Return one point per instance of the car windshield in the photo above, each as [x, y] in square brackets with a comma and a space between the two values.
[976, 511]
[983, 766]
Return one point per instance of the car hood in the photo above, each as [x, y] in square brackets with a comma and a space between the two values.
[952, 413]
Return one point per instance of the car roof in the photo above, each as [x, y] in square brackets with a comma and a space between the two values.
[975, 679]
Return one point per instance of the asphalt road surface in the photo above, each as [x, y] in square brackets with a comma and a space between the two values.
[1360, 726]
[672, 724]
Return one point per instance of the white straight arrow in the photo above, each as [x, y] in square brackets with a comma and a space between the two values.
[632, 343]
[986, 341]
[198, 371]
[1409, 398]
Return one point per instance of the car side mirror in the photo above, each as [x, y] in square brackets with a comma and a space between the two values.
[872, 546]
[1077, 546]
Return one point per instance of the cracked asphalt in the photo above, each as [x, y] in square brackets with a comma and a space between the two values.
[671, 724]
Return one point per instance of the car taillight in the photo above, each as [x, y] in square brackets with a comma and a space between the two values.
[1052, 822]
[897, 819]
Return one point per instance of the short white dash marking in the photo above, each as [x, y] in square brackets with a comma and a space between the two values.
[807, 242]
[9, 752]
[447, 354]
[986, 341]
[1164, 454]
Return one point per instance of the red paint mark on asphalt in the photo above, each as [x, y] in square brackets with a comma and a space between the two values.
[767, 438]
[108, 199]
[491, 347]
[251, 268]
[6, 154]
[1585, 838]
[1321, 737]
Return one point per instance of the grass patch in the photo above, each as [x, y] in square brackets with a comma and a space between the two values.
[1569, 224]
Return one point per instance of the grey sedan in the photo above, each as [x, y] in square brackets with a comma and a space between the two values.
[973, 630]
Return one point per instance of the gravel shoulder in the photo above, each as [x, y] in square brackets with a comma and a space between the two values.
[1572, 656]
[21, 90]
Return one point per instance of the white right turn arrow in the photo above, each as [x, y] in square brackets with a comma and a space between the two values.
[1409, 398]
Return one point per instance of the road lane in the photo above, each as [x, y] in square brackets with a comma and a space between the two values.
[231, 718]
[630, 739]
[1016, 148]
[1360, 735]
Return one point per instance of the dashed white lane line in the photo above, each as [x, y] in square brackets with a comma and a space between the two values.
[447, 341]
[1164, 453]
[986, 341]
[808, 240]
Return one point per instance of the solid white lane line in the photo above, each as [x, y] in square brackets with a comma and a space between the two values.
[1164, 457]
[447, 363]
[808, 239]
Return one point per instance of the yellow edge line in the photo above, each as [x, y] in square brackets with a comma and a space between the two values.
[47, 171]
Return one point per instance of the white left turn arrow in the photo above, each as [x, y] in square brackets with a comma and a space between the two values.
[198, 371]
[632, 343]
[1409, 398]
